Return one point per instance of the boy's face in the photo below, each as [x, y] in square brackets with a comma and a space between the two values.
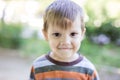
[64, 43]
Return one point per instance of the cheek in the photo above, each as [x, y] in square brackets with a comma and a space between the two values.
[53, 43]
[77, 43]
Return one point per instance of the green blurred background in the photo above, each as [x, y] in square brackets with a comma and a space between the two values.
[21, 23]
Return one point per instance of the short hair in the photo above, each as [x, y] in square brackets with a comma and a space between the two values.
[62, 13]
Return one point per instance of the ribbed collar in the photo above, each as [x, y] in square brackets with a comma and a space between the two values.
[64, 63]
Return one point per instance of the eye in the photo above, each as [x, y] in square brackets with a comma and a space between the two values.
[73, 34]
[56, 34]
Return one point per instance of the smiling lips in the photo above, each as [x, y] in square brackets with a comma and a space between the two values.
[65, 48]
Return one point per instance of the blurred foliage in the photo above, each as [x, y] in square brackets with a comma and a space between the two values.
[10, 35]
[34, 47]
[102, 55]
[100, 21]
[44, 4]
[107, 29]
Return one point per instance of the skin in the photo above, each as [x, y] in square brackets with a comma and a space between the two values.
[64, 43]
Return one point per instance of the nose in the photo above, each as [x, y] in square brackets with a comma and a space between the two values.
[65, 39]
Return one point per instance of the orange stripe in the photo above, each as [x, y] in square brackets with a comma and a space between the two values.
[62, 74]
[94, 75]
[32, 69]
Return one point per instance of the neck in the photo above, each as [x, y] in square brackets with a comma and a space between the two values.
[63, 58]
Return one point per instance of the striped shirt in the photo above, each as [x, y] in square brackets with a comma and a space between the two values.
[46, 68]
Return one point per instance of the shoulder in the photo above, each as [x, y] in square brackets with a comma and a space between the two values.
[40, 58]
[86, 63]
[41, 62]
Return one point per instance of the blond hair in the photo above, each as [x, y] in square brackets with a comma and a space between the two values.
[62, 13]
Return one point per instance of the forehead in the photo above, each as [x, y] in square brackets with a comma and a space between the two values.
[65, 23]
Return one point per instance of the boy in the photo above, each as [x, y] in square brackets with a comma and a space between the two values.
[64, 30]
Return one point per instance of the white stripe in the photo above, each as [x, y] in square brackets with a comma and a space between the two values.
[43, 63]
[85, 63]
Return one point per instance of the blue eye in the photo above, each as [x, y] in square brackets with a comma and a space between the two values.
[56, 34]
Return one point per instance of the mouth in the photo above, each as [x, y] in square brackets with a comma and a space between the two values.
[65, 48]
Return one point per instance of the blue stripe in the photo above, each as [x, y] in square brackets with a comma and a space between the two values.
[64, 68]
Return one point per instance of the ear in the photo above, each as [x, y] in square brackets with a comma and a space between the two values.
[45, 34]
[83, 33]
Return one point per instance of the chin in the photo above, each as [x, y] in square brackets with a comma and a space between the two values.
[67, 55]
